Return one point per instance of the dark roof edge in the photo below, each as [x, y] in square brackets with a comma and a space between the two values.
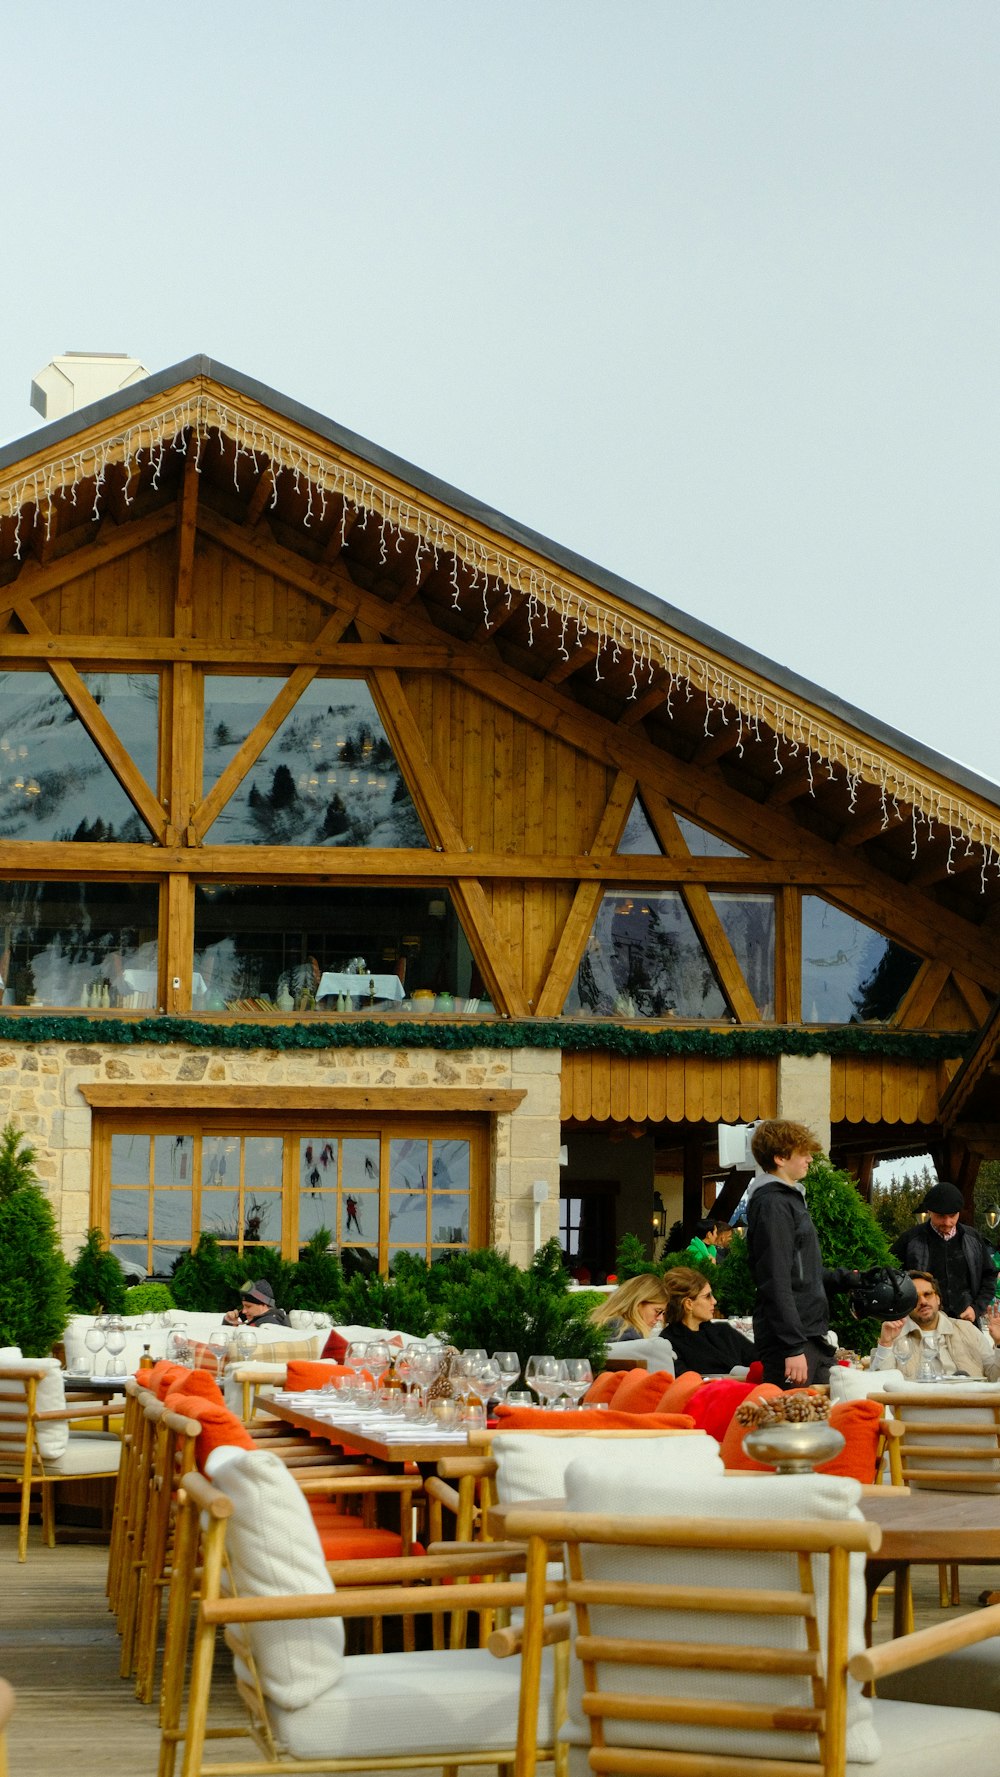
[658, 610]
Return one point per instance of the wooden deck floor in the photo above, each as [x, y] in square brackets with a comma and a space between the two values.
[59, 1649]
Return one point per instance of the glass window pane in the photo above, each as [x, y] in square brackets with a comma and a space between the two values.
[130, 1215]
[232, 709]
[172, 1215]
[327, 777]
[638, 838]
[262, 1157]
[343, 949]
[173, 1159]
[704, 844]
[408, 1217]
[644, 959]
[220, 1214]
[451, 1163]
[359, 1162]
[748, 922]
[359, 1218]
[82, 944]
[130, 702]
[317, 1210]
[450, 1220]
[318, 1163]
[130, 1253]
[408, 1165]
[164, 1258]
[851, 974]
[54, 783]
[129, 1159]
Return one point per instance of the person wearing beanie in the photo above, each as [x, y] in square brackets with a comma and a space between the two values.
[956, 1255]
[257, 1307]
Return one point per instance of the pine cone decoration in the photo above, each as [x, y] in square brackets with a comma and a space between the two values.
[440, 1388]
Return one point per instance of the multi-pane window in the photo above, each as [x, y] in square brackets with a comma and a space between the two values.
[409, 1186]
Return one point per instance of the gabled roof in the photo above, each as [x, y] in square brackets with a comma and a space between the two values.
[732, 719]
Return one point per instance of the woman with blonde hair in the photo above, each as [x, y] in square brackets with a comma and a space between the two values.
[635, 1310]
[700, 1342]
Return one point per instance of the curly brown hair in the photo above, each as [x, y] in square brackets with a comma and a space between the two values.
[681, 1284]
[777, 1139]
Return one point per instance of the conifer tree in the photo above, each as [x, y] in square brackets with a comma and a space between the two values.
[34, 1275]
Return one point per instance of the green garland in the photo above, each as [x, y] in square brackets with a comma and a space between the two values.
[615, 1039]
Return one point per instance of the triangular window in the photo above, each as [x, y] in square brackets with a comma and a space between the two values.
[704, 844]
[851, 974]
[644, 959]
[638, 839]
[327, 777]
[54, 782]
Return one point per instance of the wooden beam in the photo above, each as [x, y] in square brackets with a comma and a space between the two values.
[857, 829]
[458, 1100]
[931, 867]
[717, 744]
[918, 1002]
[209, 651]
[480, 928]
[263, 492]
[187, 520]
[641, 707]
[704, 917]
[793, 783]
[577, 657]
[974, 997]
[788, 958]
[109, 545]
[505, 608]
[100, 730]
[580, 919]
[247, 755]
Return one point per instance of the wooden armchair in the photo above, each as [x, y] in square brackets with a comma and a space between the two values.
[37, 1447]
[706, 1644]
[6, 1711]
[310, 1708]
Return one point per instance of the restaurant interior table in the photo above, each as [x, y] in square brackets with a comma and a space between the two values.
[423, 1447]
[360, 987]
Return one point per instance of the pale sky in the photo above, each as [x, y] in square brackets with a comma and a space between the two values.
[706, 291]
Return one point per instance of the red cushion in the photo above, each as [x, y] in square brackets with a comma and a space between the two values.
[713, 1404]
[605, 1386]
[335, 1347]
[676, 1394]
[541, 1419]
[302, 1374]
[641, 1391]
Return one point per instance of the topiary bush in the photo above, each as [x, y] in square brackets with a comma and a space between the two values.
[199, 1281]
[488, 1301]
[98, 1283]
[34, 1275]
[317, 1281]
[148, 1298]
[632, 1259]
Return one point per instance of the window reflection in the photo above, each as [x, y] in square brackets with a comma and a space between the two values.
[327, 777]
[644, 959]
[83, 944]
[347, 950]
[748, 922]
[54, 783]
[851, 974]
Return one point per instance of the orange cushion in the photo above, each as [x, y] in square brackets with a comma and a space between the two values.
[164, 1376]
[641, 1391]
[732, 1444]
[676, 1394]
[541, 1419]
[858, 1423]
[199, 1382]
[605, 1386]
[218, 1425]
[302, 1374]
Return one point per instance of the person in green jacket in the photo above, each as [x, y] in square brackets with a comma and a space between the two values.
[702, 1247]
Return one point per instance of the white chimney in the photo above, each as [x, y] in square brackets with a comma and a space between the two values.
[77, 378]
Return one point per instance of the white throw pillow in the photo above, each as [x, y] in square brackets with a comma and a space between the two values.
[532, 1466]
[848, 1384]
[594, 1487]
[50, 1395]
[274, 1550]
[656, 1354]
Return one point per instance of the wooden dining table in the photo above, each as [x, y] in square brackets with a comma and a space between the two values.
[423, 1448]
[921, 1526]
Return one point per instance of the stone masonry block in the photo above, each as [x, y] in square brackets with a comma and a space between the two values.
[535, 1136]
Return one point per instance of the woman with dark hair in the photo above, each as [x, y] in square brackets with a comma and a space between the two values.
[700, 1342]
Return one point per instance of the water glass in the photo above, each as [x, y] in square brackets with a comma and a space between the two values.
[541, 1374]
[578, 1378]
[509, 1365]
[93, 1339]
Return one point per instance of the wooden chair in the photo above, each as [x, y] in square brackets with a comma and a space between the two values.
[23, 1455]
[686, 1669]
[949, 1441]
[361, 1681]
[6, 1711]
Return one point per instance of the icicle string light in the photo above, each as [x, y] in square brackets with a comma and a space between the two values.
[203, 416]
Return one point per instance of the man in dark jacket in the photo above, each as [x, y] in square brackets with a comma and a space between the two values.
[791, 1314]
[957, 1256]
[257, 1307]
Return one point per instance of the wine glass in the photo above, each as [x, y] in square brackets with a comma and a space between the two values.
[93, 1339]
[539, 1372]
[179, 1345]
[245, 1340]
[509, 1365]
[488, 1382]
[377, 1359]
[220, 1345]
[476, 1352]
[579, 1377]
[115, 1341]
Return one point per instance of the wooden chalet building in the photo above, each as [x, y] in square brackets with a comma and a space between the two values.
[370, 862]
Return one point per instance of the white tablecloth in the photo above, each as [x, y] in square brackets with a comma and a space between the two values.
[387, 987]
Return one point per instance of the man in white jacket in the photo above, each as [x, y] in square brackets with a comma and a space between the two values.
[961, 1347]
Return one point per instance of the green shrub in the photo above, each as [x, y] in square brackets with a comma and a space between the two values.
[401, 1303]
[34, 1275]
[199, 1281]
[488, 1301]
[894, 1206]
[632, 1259]
[317, 1281]
[97, 1280]
[148, 1298]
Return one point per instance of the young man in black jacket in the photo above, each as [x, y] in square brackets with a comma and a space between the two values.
[791, 1315]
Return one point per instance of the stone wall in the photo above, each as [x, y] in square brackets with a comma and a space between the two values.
[40, 1091]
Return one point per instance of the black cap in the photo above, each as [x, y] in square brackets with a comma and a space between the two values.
[944, 1199]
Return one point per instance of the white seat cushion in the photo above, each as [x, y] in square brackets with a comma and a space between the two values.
[388, 1705]
[274, 1549]
[50, 1396]
[87, 1453]
[532, 1466]
[848, 1384]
